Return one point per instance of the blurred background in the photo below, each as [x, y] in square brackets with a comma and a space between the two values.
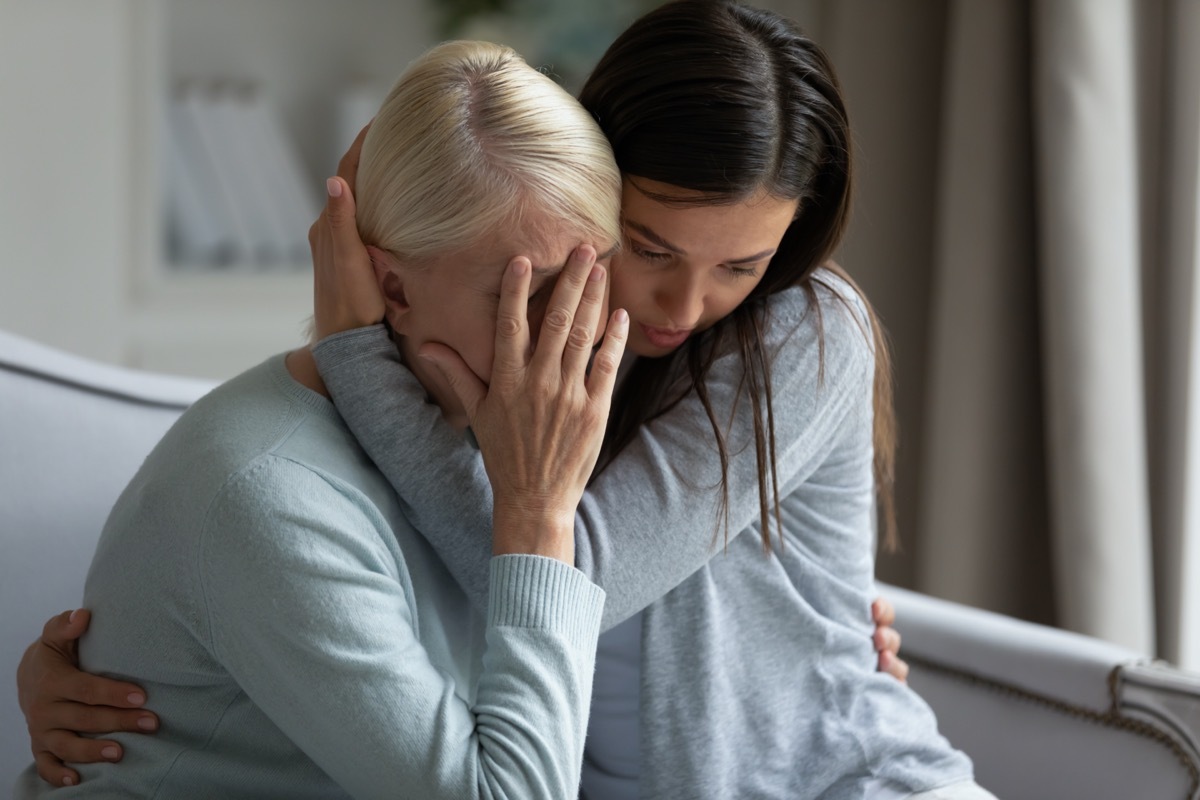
[1026, 225]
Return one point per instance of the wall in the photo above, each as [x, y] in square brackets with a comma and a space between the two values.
[65, 214]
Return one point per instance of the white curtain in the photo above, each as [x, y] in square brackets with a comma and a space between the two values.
[1053, 470]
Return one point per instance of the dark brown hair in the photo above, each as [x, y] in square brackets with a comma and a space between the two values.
[724, 100]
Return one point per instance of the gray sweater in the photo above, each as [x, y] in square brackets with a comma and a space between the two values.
[758, 671]
[301, 640]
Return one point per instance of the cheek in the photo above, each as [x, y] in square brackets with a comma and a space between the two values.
[626, 288]
[478, 348]
[605, 310]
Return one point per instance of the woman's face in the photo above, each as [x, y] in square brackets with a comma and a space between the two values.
[453, 299]
[683, 268]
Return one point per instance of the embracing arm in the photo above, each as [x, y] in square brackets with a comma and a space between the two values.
[650, 519]
[315, 621]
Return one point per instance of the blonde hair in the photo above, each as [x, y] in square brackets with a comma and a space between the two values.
[469, 141]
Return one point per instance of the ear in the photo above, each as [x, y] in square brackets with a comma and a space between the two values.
[389, 275]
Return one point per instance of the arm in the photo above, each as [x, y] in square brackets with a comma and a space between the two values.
[345, 588]
[340, 617]
[650, 519]
[381, 402]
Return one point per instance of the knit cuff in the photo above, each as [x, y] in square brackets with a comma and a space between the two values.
[529, 591]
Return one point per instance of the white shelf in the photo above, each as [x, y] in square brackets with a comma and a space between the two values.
[302, 55]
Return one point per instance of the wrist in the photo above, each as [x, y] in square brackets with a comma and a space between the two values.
[532, 530]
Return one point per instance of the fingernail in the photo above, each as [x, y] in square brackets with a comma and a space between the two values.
[68, 780]
[520, 266]
[74, 614]
[334, 187]
[622, 317]
[111, 753]
[136, 698]
[596, 274]
[147, 723]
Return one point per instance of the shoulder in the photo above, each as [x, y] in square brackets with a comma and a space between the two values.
[277, 513]
[266, 465]
[829, 318]
[829, 300]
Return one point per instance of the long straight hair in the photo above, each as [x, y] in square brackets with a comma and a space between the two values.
[725, 100]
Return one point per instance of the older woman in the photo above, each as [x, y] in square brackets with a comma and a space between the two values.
[258, 577]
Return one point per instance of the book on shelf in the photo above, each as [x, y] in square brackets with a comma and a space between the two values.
[237, 193]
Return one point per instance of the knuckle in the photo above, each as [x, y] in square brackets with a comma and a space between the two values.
[49, 768]
[508, 326]
[87, 718]
[557, 320]
[604, 363]
[580, 337]
[88, 693]
[543, 391]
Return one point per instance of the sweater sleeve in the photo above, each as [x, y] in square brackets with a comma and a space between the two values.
[651, 518]
[311, 611]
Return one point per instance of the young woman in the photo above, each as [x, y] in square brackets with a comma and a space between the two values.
[758, 402]
[258, 578]
[759, 398]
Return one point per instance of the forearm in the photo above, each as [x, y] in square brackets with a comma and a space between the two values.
[437, 474]
[390, 718]
[652, 517]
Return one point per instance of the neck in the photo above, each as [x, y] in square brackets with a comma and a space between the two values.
[303, 368]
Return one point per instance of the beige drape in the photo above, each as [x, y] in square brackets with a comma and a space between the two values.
[1027, 226]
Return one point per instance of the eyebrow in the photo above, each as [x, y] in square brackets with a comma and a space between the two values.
[663, 243]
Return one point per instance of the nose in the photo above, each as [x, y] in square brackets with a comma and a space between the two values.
[682, 299]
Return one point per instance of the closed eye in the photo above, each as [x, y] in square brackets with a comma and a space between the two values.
[649, 255]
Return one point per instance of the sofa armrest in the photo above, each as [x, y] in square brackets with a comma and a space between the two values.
[72, 433]
[1050, 713]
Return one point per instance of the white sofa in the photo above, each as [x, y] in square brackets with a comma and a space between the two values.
[1044, 713]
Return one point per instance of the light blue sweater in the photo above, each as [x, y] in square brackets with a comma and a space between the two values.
[298, 639]
[758, 671]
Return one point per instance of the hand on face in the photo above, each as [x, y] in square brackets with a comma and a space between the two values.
[540, 422]
[345, 291]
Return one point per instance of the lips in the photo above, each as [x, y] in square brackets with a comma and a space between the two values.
[667, 338]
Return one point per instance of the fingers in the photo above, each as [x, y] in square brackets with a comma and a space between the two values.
[66, 682]
[559, 322]
[68, 748]
[893, 665]
[61, 631]
[887, 639]
[465, 384]
[346, 293]
[578, 350]
[348, 165]
[607, 360]
[512, 327]
[84, 718]
[53, 771]
[882, 612]
[340, 210]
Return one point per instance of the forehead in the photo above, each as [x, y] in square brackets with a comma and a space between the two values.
[752, 224]
[546, 246]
